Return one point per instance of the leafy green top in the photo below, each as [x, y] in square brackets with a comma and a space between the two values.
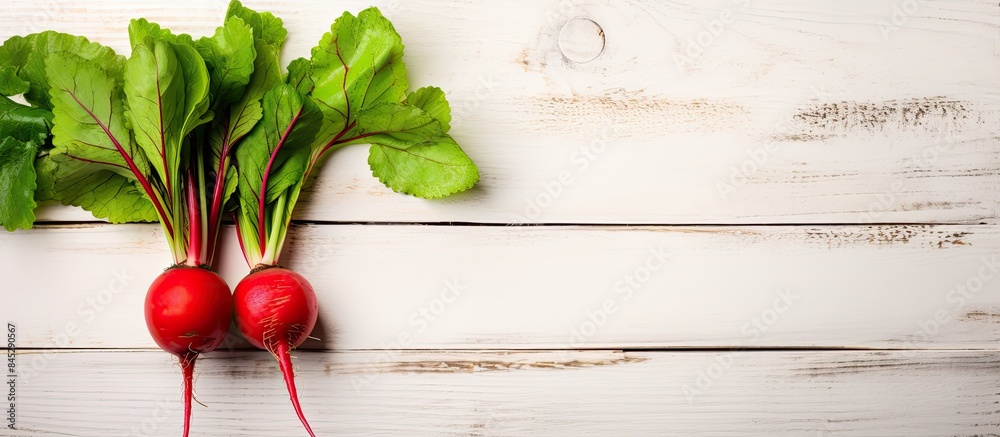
[183, 124]
[352, 90]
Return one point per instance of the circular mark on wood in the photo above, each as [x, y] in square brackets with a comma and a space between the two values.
[581, 40]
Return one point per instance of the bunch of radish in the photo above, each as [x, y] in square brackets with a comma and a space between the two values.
[186, 131]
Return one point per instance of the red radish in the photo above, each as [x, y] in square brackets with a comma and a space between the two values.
[188, 310]
[146, 121]
[276, 310]
[325, 104]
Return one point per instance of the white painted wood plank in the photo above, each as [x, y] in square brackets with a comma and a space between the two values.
[813, 112]
[595, 393]
[489, 287]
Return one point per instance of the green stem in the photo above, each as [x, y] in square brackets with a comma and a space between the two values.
[277, 232]
[171, 244]
[181, 224]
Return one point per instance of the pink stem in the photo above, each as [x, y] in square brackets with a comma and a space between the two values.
[194, 225]
[131, 165]
[215, 214]
[261, 225]
[328, 146]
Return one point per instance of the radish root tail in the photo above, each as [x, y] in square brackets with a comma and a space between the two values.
[284, 356]
[187, 366]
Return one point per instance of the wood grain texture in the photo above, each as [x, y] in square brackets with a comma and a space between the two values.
[763, 114]
[595, 393]
[722, 111]
[487, 287]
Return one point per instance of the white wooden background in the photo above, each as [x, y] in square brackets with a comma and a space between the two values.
[754, 217]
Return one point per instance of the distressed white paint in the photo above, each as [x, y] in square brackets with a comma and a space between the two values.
[678, 117]
[813, 112]
[547, 287]
[596, 393]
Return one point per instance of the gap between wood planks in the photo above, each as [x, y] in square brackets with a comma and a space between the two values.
[544, 350]
[84, 224]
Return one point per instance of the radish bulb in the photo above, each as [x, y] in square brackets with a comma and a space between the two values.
[276, 310]
[188, 312]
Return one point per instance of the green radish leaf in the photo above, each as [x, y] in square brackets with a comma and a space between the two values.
[300, 76]
[89, 114]
[412, 154]
[141, 28]
[106, 194]
[244, 114]
[229, 55]
[196, 90]
[396, 123]
[93, 160]
[232, 183]
[237, 116]
[238, 119]
[22, 132]
[24, 123]
[432, 169]
[276, 151]
[266, 27]
[28, 55]
[17, 183]
[272, 160]
[356, 66]
[79, 88]
[10, 84]
[268, 36]
[432, 100]
[15, 51]
[166, 94]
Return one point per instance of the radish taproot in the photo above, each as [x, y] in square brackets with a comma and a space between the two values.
[352, 90]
